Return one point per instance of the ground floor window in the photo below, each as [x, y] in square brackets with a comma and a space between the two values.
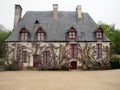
[99, 50]
[46, 56]
[74, 51]
[24, 56]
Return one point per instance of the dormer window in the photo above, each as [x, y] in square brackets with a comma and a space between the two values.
[40, 35]
[72, 34]
[23, 35]
[99, 33]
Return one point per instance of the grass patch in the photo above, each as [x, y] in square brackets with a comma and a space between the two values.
[115, 59]
[1, 59]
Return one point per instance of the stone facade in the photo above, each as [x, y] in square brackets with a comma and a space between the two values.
[59, 54]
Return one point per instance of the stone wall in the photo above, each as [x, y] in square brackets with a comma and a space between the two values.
[59, 53]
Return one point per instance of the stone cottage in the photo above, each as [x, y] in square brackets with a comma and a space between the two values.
[53, 39]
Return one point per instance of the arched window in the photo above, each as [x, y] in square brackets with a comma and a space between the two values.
[23, 35]
[40, 35]
[72, 34]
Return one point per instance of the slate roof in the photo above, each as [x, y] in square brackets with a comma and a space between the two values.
[56, 29]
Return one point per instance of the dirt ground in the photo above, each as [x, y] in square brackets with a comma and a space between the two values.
[60, 80]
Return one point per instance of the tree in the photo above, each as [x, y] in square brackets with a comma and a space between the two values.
[3, 36]
[114, 35]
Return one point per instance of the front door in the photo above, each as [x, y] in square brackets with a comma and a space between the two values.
[36, 60]
[73, 65]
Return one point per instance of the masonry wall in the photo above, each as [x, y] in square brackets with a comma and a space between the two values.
[59, 53]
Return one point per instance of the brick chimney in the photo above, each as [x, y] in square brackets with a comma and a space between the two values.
[79, 12]
[17, 15]
[55, 11]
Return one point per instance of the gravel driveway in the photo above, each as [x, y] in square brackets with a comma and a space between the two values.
[60, 80]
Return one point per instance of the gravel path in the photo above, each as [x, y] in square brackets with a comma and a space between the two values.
[60, 80]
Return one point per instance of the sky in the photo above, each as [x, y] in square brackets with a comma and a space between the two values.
[106, 11]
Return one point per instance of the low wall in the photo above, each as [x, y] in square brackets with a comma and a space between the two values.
[116, 56]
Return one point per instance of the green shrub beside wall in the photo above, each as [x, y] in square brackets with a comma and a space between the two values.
[115, 63]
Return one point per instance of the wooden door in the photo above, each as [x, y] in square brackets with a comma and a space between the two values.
[36, 61]
[73, 65]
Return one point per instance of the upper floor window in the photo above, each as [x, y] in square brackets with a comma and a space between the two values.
[72, 34]
[99, 33]
[23, 35]
[40, 35]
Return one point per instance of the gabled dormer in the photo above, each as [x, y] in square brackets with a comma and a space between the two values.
[23, 34]
[71, 34]
[99, 33]
[40, 35]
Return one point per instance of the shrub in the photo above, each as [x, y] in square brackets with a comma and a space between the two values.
[115, 63]
[115, 59]
[65, 67]
[13, 67]
[2, 63]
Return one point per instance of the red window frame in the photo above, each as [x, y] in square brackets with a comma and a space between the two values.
[99, 50]
[74, 51]
[72, 34]
[24, 56]
[23, 35]
[46, 56]
[99, 35]
[40, 35]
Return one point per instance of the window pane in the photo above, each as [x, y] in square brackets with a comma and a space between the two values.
[22, 36]
[26, 37]
[70, 36]
[42, 34]
[73, 36]
[70, 33]
[42, 38]
[26, 34]
[38, 34]
[73, 33]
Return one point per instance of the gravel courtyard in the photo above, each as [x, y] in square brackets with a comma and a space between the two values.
[60, 80]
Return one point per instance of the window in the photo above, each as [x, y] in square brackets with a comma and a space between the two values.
[24, 56]
[72, 34]
[24, 35]
[74, 51]
[46, 56]
[99, 35]
[99, 50]
[40, 35]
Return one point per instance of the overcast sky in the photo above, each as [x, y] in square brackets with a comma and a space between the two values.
[107, 11]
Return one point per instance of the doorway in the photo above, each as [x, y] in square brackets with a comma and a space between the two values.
[73, 65]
